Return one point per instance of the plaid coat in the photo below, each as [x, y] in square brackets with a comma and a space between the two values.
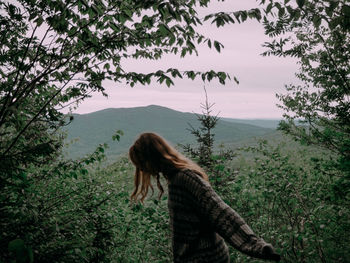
[200, 222]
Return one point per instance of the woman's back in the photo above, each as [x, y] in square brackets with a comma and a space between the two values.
[200, 220]
[194, 240]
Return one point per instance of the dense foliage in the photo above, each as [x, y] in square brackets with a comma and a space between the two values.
[54, 53]
[284, 191]
[287, 196]
[317, 112]
[317, 33]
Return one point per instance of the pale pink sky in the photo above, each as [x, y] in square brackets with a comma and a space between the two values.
[260, 77]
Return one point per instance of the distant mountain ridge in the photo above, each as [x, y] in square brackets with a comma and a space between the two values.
[98, 127]
[265, 123]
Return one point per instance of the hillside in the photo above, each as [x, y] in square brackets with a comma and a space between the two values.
[98, 127]
[265, 123]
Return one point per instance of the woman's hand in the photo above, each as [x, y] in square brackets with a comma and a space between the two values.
[269, 253]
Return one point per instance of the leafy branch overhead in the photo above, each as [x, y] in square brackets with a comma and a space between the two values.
[57, 53]
[54, 54]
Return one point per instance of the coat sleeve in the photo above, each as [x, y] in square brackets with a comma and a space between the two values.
[224, 220]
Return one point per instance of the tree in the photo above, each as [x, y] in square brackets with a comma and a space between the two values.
[212, 160]
[204, 135]
[54, 54]
[317, 33]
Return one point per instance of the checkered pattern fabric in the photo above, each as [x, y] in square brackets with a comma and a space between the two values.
[200, 222]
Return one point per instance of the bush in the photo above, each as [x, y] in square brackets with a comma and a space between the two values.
[286, 197]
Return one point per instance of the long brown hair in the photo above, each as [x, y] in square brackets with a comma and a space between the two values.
[152, 155]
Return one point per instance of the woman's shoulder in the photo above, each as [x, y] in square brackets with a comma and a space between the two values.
[189, 177]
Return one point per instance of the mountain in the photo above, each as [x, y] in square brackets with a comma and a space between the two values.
[98, 127]
[265, 123]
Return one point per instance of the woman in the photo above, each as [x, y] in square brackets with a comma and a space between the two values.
[200, 221]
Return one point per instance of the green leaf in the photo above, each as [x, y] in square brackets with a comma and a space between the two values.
[169, 82]
[209, 43]
[317, 21]
[165, 30]
[39, 21]
[222, 77]
[183, 52]
[217, 46]
[117, 135]
[122, 18]
[219, 21]
[208, 17]
[107, 66]
[244, 15]
[281, 11]
[114, 27]
[269, 7]
[300, 3]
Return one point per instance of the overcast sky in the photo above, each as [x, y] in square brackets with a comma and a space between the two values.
[260, 77]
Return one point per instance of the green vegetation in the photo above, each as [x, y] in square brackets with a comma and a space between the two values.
[320, 33]
[53, 209]
[311, 195]
[286, 196]
[54, 54]
[283, 190]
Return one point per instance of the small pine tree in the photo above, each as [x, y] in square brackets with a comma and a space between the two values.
[204, 135]
[204, 154]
